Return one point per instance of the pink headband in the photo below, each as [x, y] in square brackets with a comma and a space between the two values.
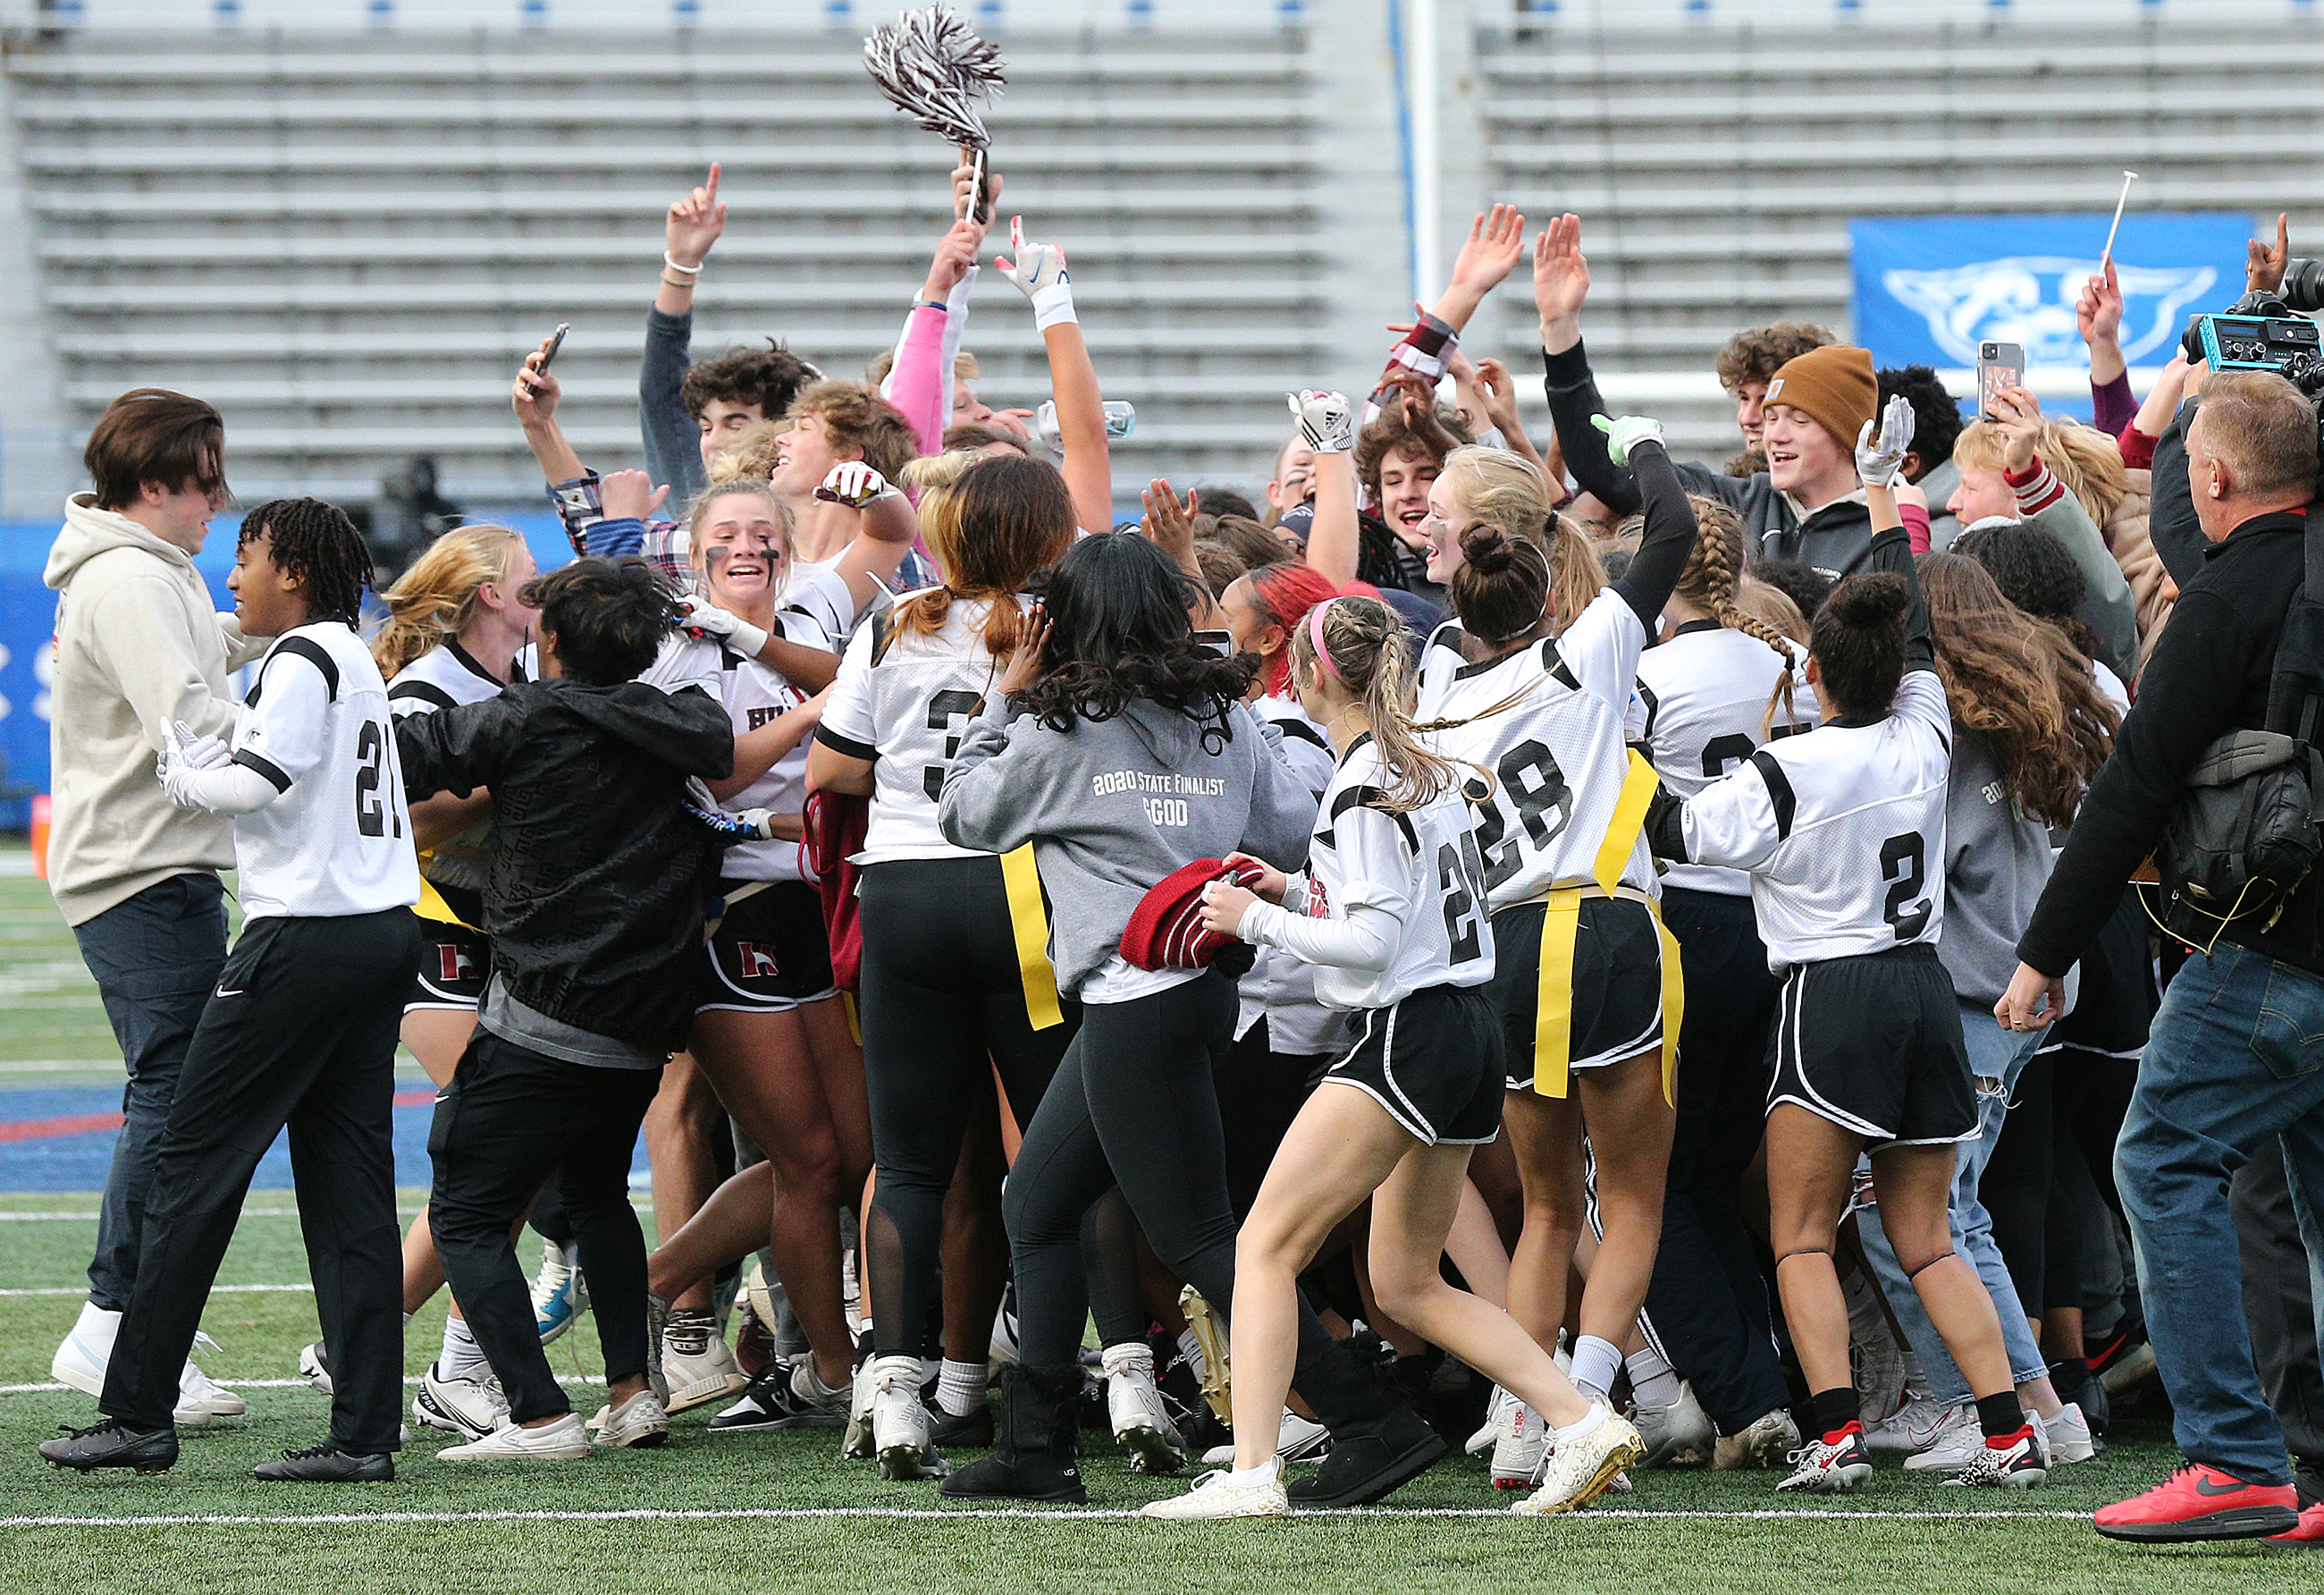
[1316, 636]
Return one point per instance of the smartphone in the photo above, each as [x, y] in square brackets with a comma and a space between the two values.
[555, 342]
[1219, 643]
[1999, 367]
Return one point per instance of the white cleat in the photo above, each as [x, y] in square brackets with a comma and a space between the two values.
[197, 1390]
[1953, 1446]
[637, 1423]
[1517, 1454]
[562, 1441]
[899, 1421]
[1585, 1467]
[1297, 1439]
[700, 1368]
[1915, 1427]
[1216, 1496]
[1500, 1410]
[2069, 1436]
[1767, 1441]
[1141, 1424]
[470, 1408]
[1678, 1435]
[855, 1442]
[314, 1367]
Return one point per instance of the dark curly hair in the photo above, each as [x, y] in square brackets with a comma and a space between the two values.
[1797, 580]
[319, 551]
[1936, 413]
[770, 378]
[1118, 631]
[606, 617]
[2033, 571]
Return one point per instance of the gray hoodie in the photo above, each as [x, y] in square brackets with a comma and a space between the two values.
[1997, 859]
[1113, 806]
[139, 643]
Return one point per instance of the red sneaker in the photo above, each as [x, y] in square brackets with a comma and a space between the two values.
[2200, 1503]
[2311, 1531]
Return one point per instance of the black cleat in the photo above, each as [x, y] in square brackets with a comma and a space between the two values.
[113, 1444]
[327, 1464]
[970, 1430]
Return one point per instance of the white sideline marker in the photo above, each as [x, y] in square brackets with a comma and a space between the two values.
[939, 1515]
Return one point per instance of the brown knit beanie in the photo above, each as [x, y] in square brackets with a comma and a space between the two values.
[1834, 385]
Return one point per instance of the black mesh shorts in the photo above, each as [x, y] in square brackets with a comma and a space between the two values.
[1434, 1061]
[1873, 1043]
[1617, 983]
[770, 953]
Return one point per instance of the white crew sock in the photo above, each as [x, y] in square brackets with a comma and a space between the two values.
[959, 1387]
[1655, 1380]
[461, 1354]
[1265, 1473]
[1597, 1413]
[1595, 1363]
[1190, 1349]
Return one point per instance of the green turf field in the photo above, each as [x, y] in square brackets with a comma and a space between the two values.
[781, 1511]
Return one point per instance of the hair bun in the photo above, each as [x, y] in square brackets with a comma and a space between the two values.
[1868, 601]
[1487, 548]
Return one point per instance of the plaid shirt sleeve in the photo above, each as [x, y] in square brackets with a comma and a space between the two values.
[1425, 351]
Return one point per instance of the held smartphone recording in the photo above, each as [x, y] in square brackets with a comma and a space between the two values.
[555, 342]
[1998, 366]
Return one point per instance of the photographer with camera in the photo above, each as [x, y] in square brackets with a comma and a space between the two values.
[2229, 1065]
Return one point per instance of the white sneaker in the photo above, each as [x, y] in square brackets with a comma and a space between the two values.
[856, 1440]
[1581, 1469]
[1217, 1496]
[1498, 1410]
[1297, 1439]
[198, 1390]
[558, 1442]
[469, 1407]
[899, 1421]
[313, 1367]
[699, 1370]
[2069, 1436]
[1518, 1453]
[1141, 1424]
[81, 1357]
[1769, 1439]
[639, 1423]
[1678, 1435]
[1950, 1452]
[1917, 1426]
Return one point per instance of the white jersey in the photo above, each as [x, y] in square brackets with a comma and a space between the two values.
[753, 694]
[1704, 696]
[1843, 830]
[903, 701]
[1423, 866]
[817, 591]
[445, 676]
[1280, 986]
[336, 842]
[1554, 746]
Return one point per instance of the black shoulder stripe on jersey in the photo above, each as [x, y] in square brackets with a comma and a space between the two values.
[1438, 638]
[1373, 798]
[1653, 707]
[847, 745]
[314, 654]
[1559, 671]
[427, 692]
[880, 637]
[265, 767]
[1303, 731]
[1779, 790]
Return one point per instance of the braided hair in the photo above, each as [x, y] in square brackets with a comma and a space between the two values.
[319, 551]
[1715, 569]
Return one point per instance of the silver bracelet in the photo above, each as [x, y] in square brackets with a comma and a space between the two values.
[690, 271]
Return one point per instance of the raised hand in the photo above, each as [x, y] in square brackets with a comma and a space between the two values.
[1496, 243]
[1561, 278]
[964, 206]
[1420, 411]
[1038, 272]
[2263, 266]
[1327, 421]
[1624, 435]
[1879, 460]
[2017, 417]
[854, 484]
[535, 394]
[1499, 392]
[955, 253]
[693, 224]
[629, 495]
[2097, 313]
[1169, 524]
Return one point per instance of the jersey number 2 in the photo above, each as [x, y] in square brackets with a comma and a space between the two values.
[372, 815]
[1903, 866]
[1459, 876]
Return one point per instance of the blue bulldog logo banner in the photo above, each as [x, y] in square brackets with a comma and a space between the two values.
[1929, 290]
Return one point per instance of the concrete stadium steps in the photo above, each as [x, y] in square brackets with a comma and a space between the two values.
[350, 242]
[1716, 170]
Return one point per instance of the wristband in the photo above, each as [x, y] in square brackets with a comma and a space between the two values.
[1053, 305]
[671, 262]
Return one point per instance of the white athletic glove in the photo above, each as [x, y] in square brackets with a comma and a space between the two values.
[702, 618]
[854, 484]
[1626, 434]
[1327, 421]
[1039, 272]
[1878, 462]
[185, 755]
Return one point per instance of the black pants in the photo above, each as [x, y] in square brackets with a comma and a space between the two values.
[1708, 1301]
[941, 1002]
[2280, 1301]
[1132, 1104]
[300, 1031]
[509, 1118]
[1261, 1092]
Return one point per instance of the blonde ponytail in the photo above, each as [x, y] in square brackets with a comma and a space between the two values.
[1370, 659]
[434, 601]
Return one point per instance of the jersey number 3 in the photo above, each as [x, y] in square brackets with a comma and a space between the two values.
[374, 815]
[1903, 865]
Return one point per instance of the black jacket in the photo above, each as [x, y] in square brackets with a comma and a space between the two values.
[598, 875]
[1834, 540]
[2209, 675]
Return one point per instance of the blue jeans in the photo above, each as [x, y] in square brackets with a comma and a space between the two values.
[1997, 1058]
[155, 957]
[2237, 1054]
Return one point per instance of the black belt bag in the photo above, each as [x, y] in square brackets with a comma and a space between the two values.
[2246, 833]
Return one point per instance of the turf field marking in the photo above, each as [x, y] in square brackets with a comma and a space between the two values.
[82, 1290]
[939, 1515]
[46, 1386]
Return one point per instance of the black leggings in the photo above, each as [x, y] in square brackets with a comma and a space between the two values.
[1133, 1104]
[940, 994]
[1261, 1092]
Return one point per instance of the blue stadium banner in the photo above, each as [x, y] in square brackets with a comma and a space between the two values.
[1930, 289]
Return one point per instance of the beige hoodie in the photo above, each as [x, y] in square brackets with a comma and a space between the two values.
[139, 643]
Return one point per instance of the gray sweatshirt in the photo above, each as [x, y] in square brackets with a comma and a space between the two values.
[1113, 806]
[1996, 861]
[672, 440]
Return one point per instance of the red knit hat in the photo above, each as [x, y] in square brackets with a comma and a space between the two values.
[1165, 931]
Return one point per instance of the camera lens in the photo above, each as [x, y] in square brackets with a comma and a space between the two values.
[2303, 285]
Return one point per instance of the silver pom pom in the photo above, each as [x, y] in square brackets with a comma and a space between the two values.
[933, 68]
